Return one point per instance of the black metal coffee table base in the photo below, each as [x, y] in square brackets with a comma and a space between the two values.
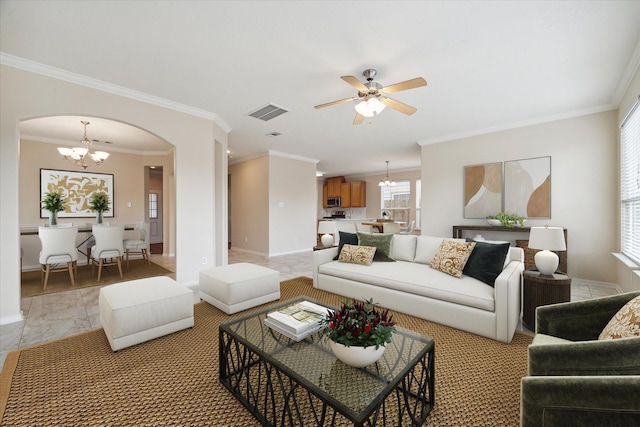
[279, 396]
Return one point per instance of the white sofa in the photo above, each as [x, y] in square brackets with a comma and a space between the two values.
[411, 286]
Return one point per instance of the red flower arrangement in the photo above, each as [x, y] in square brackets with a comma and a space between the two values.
[360, 324]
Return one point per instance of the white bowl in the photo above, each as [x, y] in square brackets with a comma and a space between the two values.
[494, 222]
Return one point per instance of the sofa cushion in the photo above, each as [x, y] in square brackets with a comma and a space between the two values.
[346, 238]
[452, 257]
[382, 243]
[403, 247]
[486, 261]
[427, 246]
[625, 323]
[357, 254]
[416, 279]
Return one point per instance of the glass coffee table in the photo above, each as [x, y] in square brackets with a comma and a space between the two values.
[283, 382]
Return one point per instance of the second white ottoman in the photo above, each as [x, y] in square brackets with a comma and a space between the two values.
[237, 287]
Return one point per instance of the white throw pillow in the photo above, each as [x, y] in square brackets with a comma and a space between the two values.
[403, 247]
[427, 246]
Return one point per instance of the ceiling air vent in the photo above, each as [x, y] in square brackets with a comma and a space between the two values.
[268, 112]
[273, 134]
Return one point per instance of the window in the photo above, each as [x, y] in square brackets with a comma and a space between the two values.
[630, 184]
[418, 202]
[395, 199]
[153, 206]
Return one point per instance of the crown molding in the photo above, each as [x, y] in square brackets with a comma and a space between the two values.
[292, 156]
[515, 125]
[627, 77]
[79, 79]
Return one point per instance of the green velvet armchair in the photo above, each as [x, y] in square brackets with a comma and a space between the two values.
[576, 380]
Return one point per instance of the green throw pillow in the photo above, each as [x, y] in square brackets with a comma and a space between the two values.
[382, 243]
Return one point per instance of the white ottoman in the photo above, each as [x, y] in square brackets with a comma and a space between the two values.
[141, 310]
[237, 287]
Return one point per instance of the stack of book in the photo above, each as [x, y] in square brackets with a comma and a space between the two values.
[297, 321]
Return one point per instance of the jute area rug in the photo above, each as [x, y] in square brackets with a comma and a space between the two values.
[173, 380]
[31, 282]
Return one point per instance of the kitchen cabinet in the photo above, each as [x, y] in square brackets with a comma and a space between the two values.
[345, 195]
[353, 194]
[325, 194]
[358, 194]
[334, 186]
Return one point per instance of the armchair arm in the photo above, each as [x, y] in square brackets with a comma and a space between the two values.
[577, 401]
[580, 320]
[607, 357]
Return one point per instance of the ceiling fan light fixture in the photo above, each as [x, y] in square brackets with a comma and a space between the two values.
[370, 107]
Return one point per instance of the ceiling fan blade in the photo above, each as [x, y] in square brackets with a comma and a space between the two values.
[409, 84]
[355, 83]
[398, 106]
[358, 119]
[328, 104]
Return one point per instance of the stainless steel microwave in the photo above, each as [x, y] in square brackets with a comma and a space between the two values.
[333, 202]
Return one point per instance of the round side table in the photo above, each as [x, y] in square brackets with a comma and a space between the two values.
[540, 290]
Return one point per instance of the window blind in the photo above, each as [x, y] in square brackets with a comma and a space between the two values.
[630, 184]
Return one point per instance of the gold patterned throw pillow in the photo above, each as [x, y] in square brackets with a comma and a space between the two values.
[625, 323]
[357, 254]
[452, 257]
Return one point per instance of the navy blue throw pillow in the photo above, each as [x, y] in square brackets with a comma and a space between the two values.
[486, 261]
[346, 239]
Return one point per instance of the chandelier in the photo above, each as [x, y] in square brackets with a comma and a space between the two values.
[80, 155]
[386, 182]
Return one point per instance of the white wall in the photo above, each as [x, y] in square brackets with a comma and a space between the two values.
[27, 95]
[273, 204]
[292, 205]
[584, 172]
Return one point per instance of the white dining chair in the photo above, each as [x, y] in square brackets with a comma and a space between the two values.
[109, 247]
[141, 245]
[58, 247]
[409, 229]
[390, 227]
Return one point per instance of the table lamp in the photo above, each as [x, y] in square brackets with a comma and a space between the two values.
[547, 239]
[326, 228]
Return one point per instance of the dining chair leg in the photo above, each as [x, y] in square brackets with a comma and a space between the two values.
[70, 267]
[145, 255]
[99, 270]
[120, 265]
[126, 252]
[46, 275]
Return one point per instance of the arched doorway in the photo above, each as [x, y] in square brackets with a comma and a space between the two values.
[132, 152]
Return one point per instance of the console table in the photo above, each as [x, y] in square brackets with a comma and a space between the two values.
[529, 263]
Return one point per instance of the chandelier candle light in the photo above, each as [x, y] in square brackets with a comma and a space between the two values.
[547, 239]
[80, 155]
[386, 182]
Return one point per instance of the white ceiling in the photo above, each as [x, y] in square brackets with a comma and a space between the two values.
[488, 65]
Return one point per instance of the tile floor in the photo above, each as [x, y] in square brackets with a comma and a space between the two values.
[54, 316]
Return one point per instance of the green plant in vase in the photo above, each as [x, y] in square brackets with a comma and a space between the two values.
[508, 220]
[53, 201]
[99, 203]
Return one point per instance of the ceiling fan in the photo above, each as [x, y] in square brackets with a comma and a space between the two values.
[372, 96]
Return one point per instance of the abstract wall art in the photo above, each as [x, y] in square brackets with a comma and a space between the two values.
[482, 190]
[527, 187]
[77, 188]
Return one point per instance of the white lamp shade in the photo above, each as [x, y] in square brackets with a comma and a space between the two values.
[370, 107]
[547, 239]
